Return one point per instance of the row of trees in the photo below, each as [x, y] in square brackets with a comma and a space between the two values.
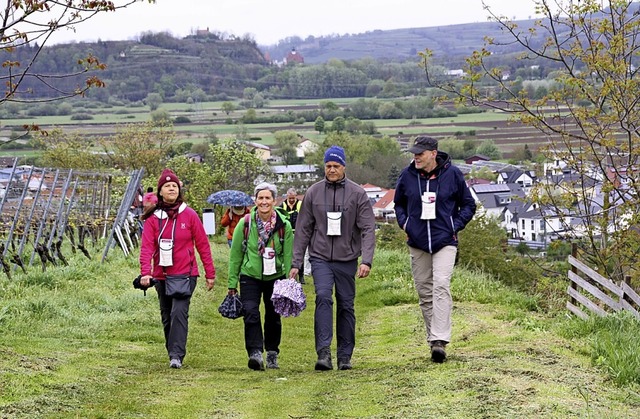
[226, 164]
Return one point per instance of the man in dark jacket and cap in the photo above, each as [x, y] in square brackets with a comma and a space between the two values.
[336, 222]
[432, 204]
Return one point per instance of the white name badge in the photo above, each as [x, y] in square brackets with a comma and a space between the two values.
[269, 261]
[166, 252]
[428, 206]
[333, 223]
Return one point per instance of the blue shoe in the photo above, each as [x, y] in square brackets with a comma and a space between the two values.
[175, 363]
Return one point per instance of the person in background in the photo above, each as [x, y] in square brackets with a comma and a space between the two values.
[172, 220]
[231, 218]
[149, 199]
[260, 254]
[433, 204]
[337, 224]
[291, 205]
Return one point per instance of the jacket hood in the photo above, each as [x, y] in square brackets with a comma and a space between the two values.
[443, 161]
[162, 214]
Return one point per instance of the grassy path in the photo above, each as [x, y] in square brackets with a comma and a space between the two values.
[81, 348]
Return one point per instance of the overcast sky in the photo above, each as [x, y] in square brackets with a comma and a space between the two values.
[268, 21]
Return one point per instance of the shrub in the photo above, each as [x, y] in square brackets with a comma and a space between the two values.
[160, 116]
[482, 246]
[81, 117]
[65, 109]
[182, 120]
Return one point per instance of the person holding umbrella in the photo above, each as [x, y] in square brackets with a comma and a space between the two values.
[261, 250]
[238, 203]
[231, 218]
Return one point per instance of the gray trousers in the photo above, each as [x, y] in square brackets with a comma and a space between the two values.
[175, 320]
[326, 276]
[432, 279]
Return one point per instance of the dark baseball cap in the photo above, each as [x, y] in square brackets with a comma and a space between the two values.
[423, 143]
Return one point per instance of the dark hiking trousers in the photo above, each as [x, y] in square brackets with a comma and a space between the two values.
[175, 320]
[251, 292]
[326, 276]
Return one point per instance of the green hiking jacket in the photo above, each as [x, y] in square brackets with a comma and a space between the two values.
[249, 262]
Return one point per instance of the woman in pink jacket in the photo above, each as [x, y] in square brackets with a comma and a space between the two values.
[172, 232]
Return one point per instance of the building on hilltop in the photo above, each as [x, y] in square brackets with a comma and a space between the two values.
[294, 57]
[202, 32]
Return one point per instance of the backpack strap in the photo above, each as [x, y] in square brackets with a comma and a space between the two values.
[247, 224]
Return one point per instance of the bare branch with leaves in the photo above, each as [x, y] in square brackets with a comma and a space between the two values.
[29, 25]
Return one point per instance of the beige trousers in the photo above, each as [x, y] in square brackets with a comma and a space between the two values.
[432, 279]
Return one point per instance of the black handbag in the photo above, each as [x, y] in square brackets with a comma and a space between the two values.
[178, 286]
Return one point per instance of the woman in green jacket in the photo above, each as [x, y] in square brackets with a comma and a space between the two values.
[261, 252]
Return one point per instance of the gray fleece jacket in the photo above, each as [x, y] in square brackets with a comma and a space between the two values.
[357, 224]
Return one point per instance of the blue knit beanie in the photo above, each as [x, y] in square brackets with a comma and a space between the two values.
[335, 154]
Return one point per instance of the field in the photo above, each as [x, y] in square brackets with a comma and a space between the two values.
[208, 118]
[80, 342]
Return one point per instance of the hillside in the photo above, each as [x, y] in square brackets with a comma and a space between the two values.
[452, 41]
[208, 67]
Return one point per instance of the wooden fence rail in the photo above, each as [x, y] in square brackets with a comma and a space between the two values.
[596, 294]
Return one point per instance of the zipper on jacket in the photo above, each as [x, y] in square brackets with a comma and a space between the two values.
[333, 208]
[428, 221]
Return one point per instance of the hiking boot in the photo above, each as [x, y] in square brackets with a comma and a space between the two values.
[438, 353]
[324, 360]
[272, 360]
[255, 361]
[175, 363]
[344, 363]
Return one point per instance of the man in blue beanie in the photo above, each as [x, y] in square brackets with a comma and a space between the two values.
[336, 222]
[335, 154]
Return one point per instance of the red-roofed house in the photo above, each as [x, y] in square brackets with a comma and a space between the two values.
[384, 207]
[374, 192]
[294, 57]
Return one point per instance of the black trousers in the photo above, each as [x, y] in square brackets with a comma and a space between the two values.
[251, 292]
[175, 320]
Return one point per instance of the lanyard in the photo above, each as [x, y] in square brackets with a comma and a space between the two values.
[173, 229]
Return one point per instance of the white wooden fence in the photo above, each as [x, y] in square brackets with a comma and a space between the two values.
[596, 294]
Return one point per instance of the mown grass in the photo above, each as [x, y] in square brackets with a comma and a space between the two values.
[79, 341]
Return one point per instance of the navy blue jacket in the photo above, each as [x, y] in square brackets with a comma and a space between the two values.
[455, 205]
